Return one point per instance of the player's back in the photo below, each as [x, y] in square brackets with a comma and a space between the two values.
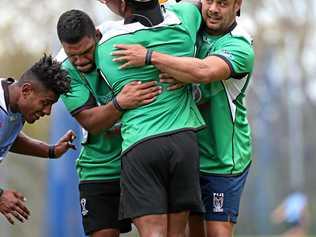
[172, 110]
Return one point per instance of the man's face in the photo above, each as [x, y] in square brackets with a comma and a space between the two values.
[219, 15]
[81, 54]
[36, 102]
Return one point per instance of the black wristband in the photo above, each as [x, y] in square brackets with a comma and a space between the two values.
[1, 192]
[51, 152]
[149, 54]
[117, 105]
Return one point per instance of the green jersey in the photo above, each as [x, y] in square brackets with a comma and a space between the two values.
[172, 111]
[225, 145]
[99, 158]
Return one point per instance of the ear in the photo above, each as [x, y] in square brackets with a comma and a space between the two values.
[26, 89]
[237, 5]
[98, 35]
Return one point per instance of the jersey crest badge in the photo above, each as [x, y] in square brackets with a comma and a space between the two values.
[83, 203]
[218, 202]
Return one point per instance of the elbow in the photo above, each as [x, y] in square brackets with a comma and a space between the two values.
[89, 124]
[95, 129]
[90, 128]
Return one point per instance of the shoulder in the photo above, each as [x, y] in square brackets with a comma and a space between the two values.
[184, 8]
[239, 33]
[188, 13]
[236, 41]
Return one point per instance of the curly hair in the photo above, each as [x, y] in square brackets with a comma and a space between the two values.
[73, 25]
[50, 74]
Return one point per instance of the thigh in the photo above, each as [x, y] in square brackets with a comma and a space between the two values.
[221, 196]
[99, 207]
[144, 177]
[184, 184]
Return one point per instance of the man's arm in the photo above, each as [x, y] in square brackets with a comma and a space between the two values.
[26, 145]
[134, 94]
[194, 70]
[185, 69]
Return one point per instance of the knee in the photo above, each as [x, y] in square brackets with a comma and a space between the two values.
[219, 229]
[151, 226]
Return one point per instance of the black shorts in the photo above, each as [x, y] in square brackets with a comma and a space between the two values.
[99, 202]
[161, 175]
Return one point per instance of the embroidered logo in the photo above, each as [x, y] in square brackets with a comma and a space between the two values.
[227, 54]
[218, 202]
[83, 203]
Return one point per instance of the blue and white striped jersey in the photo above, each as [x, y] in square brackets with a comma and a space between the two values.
[11, 124]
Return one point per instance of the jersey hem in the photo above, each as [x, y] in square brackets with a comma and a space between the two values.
[203, 173]
[98, 181]
[161, 135]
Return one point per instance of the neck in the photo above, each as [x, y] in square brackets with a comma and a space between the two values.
[13, 97]
[127, 13]
[224, 31]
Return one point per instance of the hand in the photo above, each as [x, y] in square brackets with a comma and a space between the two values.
[131, 55]
[12, 205]
[137, 94]
[65, 143]
[174, 84]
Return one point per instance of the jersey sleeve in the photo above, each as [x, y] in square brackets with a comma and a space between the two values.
[238, 53]
[79, 97]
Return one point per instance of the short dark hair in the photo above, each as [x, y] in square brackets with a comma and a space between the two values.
[73, 25]
[146, 12]
[49, 73]
[142, 4]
